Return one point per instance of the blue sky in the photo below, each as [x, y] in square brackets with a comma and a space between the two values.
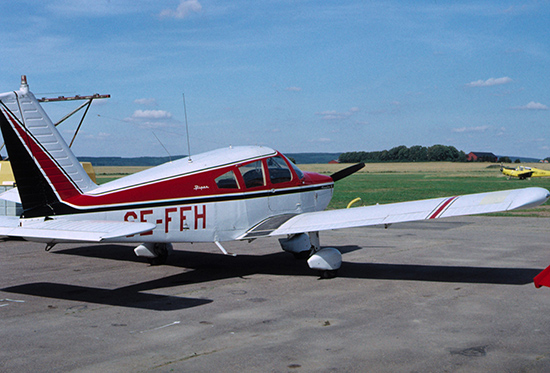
[298, 76]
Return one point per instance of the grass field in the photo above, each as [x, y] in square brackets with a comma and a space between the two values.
[398, 182]
[105, 174]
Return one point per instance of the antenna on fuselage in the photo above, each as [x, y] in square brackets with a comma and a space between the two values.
[187, 129]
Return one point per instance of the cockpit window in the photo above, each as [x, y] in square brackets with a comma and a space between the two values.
[253, 174]
[227, 181]
[278, 170]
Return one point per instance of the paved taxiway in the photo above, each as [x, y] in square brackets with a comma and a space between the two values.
[448, 295]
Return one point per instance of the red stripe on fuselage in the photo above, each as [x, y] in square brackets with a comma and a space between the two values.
[171, 188]
[62, 185]
[442, 207]
[190, 186]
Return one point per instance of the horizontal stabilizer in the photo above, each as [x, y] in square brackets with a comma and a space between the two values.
[543, 278]
[62, 230]
[11, 195]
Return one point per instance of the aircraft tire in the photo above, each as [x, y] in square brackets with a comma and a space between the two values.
[162, 255]
[302, 255]
[325, 275]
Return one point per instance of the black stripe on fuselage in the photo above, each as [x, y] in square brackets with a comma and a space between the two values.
[198, 200]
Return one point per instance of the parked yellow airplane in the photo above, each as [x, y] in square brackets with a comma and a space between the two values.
[523, 172]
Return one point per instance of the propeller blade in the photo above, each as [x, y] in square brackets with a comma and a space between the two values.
[347, 171]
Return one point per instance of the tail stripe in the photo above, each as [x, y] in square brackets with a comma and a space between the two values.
[61, 182]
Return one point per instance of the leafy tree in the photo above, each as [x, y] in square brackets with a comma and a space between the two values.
[401, 153]
[418, 153]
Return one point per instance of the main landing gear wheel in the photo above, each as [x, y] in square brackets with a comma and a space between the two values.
[327, 261]
[155, 253]
[162, 251]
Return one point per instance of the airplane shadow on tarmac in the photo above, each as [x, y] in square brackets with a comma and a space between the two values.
[205, 267]
[117, 297]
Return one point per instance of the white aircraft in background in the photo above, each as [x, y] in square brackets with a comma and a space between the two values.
[239, 193]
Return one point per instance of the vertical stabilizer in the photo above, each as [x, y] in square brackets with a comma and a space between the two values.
[45, 169]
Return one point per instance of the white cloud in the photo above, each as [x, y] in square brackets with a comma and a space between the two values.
[151, 114]
[532, 106]
[490, 82]
[321, 140]
[151, 119]
[101, 136]
[146, 101]
[335, 115]
[183, 10]
[471, 129]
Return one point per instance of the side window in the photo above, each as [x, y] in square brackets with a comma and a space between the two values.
[227, 181]
[253, 174]
[278, 170]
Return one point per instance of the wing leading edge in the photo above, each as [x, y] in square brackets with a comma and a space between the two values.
[470, 204]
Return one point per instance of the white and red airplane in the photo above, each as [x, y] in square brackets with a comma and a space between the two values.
[239, 193]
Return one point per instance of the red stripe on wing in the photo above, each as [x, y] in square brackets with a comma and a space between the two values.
[442, 207]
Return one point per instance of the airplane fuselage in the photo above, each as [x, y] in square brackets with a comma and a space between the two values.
[523, 172]
[191, 203]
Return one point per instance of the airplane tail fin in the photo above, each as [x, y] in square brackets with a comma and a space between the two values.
[45, 169]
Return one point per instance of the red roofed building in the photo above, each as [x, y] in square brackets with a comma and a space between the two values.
[481, 157]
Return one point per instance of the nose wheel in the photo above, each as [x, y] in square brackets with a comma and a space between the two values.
[325, 275]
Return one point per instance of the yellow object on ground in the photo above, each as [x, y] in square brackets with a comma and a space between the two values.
[6, 174]
[353, 201]
[7, 179]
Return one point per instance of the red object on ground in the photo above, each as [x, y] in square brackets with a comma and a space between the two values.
[543, 278]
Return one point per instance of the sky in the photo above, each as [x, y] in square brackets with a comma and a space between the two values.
[297, 76]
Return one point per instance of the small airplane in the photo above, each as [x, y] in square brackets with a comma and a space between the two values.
[523, 172]
[236, 193]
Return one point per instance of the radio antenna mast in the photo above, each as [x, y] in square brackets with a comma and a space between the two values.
[187, 129]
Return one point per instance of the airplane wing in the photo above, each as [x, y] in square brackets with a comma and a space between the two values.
[399, 212]
[527, 173]
[61, 230]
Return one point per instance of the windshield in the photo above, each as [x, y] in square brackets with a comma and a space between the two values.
[295, 168]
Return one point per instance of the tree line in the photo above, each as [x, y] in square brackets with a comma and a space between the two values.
[402, 153]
